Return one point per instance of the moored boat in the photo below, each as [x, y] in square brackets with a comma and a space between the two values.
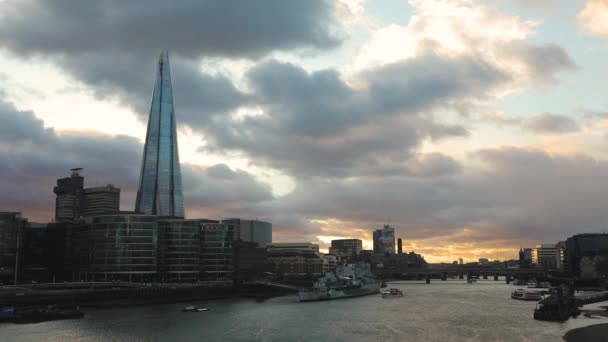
[521, 294]
[348, 281]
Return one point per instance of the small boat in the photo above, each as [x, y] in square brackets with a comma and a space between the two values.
[522, 294]
[532, 284]
[471, 281]
[194, 309]
[391, 293]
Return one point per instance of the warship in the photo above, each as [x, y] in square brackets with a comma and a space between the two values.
[347, 281]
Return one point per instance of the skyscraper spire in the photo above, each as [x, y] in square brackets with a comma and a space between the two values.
[160, 181]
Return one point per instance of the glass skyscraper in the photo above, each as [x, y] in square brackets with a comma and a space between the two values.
[160, 183]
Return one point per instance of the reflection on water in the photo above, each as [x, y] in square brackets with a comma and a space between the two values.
[441, 311]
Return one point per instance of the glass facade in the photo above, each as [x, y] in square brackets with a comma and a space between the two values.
[178, 250]
[217, 258]
[160, 187]
[115, 247]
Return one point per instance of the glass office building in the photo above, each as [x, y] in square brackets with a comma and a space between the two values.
[216, 253]
[178, 250]
[160, 184]
[115, 247]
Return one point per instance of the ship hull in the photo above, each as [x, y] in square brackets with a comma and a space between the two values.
[316, 295]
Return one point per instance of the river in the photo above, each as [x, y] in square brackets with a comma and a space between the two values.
[442, 311]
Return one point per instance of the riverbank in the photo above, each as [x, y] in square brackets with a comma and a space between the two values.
[592, 333]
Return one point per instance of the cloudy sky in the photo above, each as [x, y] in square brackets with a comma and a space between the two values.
[473, 127]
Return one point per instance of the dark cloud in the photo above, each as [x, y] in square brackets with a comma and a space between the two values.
[33, 157]
[218, 190]
[198, 95]
[522, 198]
[112, 46]
[552, 124]
[316, 124]
[190, 28]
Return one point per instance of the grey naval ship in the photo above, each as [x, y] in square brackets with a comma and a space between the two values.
[347, 281]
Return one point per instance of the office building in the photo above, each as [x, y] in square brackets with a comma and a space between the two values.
[12, 227]
[295, 260]
[115, 247]
[178, 250]
[587, 255]
[561, 261]
[346, 249]
[460, 261]
[399, 246]
[545, 256]
[69, 197]
[43, 253]
[256, 231]
[384, 240]
[160, 184]
[216, 252]
[101, 200]
[484, 261]
[249, 260]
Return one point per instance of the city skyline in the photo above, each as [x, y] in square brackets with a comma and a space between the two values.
[328, 119]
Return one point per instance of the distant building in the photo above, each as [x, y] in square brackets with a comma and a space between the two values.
[329, 263]
[545, 256]
[460, 261]
[69, 196]
[296, 260]
[293, 248]
[399, 246]
[384, 240]
[525, 257]
[101, 200]
[484, 261]
[216, 252]
[160, 183]
[587, 255]
[12, 227]
[561, 261]
[256, 231]
[346, 249]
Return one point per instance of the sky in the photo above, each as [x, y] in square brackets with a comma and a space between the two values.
[473, 127]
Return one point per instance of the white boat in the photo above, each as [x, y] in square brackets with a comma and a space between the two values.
[391, 293]
[522, 294]
[202, 309]
[471, 281]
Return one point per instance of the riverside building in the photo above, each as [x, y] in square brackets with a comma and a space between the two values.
[115, 247]
[384, 240]
[256, 231]
[346, 249]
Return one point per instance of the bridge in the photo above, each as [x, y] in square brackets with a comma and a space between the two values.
[470, 272]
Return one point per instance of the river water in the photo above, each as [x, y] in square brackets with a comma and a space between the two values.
[442, 311]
